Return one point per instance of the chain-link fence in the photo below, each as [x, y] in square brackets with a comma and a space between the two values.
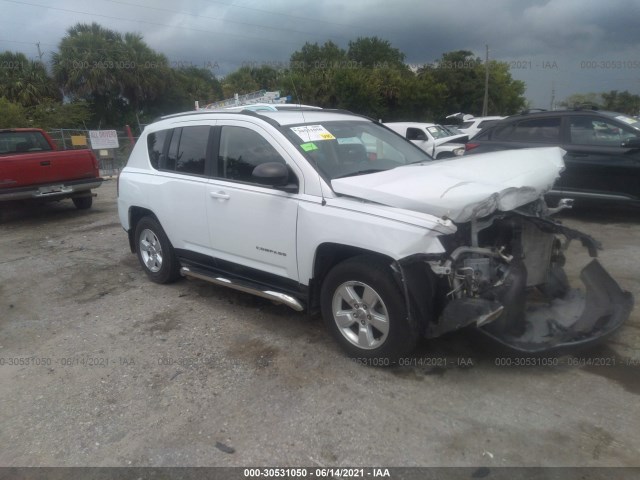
[111, 160]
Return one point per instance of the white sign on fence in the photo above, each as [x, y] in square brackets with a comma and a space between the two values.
[103, 139]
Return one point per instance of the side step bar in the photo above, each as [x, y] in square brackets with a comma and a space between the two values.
[246, 287]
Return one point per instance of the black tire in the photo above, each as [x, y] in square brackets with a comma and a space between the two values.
[168, 267]
[82, 203]
[444, 155]
[385, 349]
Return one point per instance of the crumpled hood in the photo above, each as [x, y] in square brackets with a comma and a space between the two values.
[458, 139]
[464, 188]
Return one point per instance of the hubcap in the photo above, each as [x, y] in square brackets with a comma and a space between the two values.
[151, 250]
[360, 314]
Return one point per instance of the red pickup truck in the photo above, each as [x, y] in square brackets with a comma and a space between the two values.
[32, 167]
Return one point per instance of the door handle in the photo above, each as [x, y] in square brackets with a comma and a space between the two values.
[219, 195]
[44, 163]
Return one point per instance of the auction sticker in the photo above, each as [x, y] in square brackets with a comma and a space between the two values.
[312, 133]
[626, 119]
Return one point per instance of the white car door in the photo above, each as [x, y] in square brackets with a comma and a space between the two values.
[181, 201]
[251, 225]
[422, 138]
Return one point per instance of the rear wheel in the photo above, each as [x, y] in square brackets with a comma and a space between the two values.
[365, 311]
[155, 252]
[83, 203]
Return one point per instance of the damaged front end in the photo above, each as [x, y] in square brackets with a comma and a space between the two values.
[505, 275]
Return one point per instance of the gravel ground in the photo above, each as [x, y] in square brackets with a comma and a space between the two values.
[116, 371]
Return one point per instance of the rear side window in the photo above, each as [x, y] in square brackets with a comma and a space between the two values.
[187, 150]
[538, 130]
[155, 146]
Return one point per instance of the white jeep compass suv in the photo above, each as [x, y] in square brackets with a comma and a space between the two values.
[330, 210]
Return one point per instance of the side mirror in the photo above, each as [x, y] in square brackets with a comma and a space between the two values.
[631, 143]
[274, 174]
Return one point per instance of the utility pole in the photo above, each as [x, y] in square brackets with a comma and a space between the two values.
[485, 103]
[553, 95]
[39, 51]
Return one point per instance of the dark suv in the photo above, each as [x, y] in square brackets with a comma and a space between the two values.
[602, 150]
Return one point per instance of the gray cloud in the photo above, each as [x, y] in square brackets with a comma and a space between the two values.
[227, 34]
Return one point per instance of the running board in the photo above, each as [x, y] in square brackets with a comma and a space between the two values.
[246, 287]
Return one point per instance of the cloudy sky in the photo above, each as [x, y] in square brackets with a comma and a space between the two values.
[566, 46]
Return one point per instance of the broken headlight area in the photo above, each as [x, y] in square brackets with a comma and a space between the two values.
[505, 275]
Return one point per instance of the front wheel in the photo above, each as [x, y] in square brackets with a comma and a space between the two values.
[365, 311]
[155, 252]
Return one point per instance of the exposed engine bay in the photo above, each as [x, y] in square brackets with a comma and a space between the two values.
[505, 275]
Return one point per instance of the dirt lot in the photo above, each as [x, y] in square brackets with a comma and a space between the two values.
[113, 370]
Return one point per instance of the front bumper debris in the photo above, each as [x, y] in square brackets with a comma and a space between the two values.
[577, 319]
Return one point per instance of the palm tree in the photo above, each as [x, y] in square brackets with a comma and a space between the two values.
[25, 81]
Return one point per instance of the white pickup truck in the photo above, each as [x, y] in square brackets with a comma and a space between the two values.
[320, 209]
[434, 139]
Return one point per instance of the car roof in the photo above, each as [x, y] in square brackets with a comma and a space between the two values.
[482, 119]
[265, 107]
[280, 117]
[411, 124]
[574, 111]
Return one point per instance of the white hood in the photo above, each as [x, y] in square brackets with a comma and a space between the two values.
[452, 139]
[464, 188]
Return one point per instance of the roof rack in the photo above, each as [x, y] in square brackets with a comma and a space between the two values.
[531, 110]
[586, 106]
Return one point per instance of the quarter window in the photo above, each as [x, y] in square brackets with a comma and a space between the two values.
[187, 150]
[155, 146]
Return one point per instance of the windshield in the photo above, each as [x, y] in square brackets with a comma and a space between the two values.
[631, 121]
[438, 131]
[346, 148]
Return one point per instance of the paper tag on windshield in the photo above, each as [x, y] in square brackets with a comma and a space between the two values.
[312, 133]
[626, 119]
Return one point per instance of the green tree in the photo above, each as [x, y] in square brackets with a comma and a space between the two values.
[249, 79]
[241, 81]
[313, 57]
[623, 102]
[579, 99]
[373, 52]
[12, 115]
[120, 76]
[25, 81]
[48, 115]
[142, 73]
[464, 78]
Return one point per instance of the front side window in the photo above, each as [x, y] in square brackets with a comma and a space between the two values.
[345, 148]
[415, 134]
[242, 150]
[592, 130]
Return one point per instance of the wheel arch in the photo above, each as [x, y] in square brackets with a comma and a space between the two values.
[327, 256]
[419, 285]
[135, 215]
